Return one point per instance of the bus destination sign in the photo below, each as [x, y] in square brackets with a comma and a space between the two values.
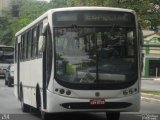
[107, 17]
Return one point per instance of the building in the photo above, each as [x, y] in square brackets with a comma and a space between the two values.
[151, 51]
[4, 4]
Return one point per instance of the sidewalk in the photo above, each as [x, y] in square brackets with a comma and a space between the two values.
[150, 84]
[155, 79]
[150, 98]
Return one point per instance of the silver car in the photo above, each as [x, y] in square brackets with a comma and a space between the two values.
[9, 75]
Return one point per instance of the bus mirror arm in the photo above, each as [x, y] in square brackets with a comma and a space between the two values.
[41, 43]
[45, 26]
[42, 38]
[140, 35]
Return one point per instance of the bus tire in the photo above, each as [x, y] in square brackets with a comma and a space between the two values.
[38, 98]
[9, 83]
[6, 82]
[24, 107]
[113, 116]
[44, 115]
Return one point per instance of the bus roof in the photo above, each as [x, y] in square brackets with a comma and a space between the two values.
[43, 16]
[92, 8]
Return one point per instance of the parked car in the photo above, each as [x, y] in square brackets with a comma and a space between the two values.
[9, 75]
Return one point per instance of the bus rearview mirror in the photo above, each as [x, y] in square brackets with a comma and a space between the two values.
[1, 53]
[41, 43]
[140, 35]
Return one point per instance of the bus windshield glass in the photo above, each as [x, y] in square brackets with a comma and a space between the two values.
[6, 54]
[96, 54]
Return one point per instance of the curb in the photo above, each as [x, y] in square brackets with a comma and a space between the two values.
[152, 79]
[150, 98]
[147, 78]
[157, 79]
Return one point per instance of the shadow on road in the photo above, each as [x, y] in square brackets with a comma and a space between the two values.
[87, 116]
[72, 116]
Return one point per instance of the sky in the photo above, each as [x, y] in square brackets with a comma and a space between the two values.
[47, 0]
[44, 0]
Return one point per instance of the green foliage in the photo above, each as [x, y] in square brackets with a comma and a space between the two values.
[147, 13]
[58, 3]
[29, 10]
[5, 32]
[86, 2]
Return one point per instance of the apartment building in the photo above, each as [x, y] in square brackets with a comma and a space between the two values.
[151, 53]
[4, 4]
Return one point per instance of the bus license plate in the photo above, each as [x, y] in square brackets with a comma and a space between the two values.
[97, 102]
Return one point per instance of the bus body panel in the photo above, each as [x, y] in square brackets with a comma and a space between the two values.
[30, 77]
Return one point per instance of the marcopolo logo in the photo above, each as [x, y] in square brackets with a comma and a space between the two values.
[150, 117]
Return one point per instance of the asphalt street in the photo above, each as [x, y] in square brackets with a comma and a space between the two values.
[150, 85]
[10, 109]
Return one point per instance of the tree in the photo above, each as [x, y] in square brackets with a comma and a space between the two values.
[148, 13]
[28, 11]
[5, 32]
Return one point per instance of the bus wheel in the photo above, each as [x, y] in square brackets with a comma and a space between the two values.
[39, 105]
[6, 82]
[9, 83]
[24, 107]
[113, 116]
[38, 99]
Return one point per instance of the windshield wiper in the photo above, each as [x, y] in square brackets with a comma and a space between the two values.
[88, 78]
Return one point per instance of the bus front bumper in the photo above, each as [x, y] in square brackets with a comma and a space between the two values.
[57, 103]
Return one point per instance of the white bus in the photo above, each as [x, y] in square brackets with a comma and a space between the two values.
[80, 59]
[6, 58]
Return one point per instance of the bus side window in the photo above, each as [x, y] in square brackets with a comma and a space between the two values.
[40, 26]
[29, 43]
[37, 37]
[15, 54]
[21, 48]
[34, 42]
[25, 46]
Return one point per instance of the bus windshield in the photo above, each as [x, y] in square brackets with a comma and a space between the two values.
[90, 55]
[6, 54]
[99, 49]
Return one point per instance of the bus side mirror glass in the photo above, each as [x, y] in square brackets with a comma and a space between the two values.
[41, 43]
[42, 38]
[141, 38]
[1, 53]
[140, 35]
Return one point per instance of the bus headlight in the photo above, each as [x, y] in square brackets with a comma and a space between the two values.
[130, 91]
[62, 91]
[68, 92]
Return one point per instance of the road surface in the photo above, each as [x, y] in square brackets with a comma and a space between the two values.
[150, 85]
[10, 110]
